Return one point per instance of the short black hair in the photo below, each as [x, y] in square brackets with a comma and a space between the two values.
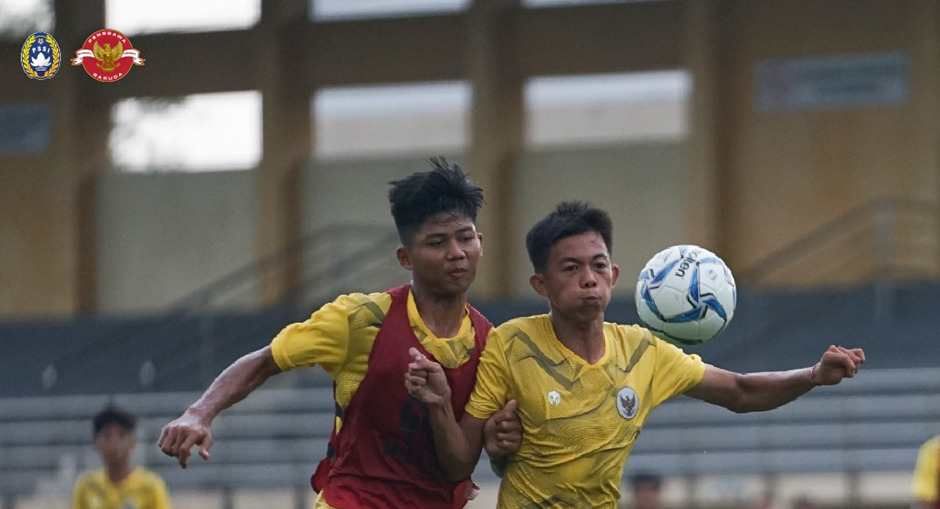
[569, 218]
[113, 415]
[445, 188]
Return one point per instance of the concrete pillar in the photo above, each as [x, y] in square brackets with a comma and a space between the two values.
[497, 123]
[702, 52]
[47, 224]
[286, 138]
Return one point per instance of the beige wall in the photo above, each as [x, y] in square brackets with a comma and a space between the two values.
[37, 239]
[786, 172]
[354, 193]
[771, 177]
[642, 186]
[161, 236]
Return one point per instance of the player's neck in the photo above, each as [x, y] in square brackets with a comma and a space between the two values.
[117, 473]
[443, 314]
[583, 337]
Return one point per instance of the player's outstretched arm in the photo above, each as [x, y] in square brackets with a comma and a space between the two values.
[458, 445]
[237, 381]
[756, 392]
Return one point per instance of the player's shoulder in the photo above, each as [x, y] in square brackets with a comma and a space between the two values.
[521, 328]
[377, 303]
[630, 334]
[90, 478]
[933, 444]
[148, 477]
[633, 338]
[355, 299]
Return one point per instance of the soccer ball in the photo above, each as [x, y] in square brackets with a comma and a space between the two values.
[686, 294]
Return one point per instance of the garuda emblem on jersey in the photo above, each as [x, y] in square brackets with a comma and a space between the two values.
[40, 56]
[107, 56]
[628, 404]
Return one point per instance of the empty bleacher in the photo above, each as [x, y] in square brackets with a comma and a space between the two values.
[273, 439]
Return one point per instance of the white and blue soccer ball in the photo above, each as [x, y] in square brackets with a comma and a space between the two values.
[686, 294]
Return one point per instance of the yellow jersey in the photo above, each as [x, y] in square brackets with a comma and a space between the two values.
[142, 489]
[339, 337]
[579, 420]
[927, 472]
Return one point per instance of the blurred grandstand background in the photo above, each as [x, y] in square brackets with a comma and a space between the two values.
[154, 230]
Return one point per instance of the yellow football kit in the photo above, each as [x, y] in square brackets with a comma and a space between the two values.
[339, 337]
[579, 420]
[141, 489]
[927, 472]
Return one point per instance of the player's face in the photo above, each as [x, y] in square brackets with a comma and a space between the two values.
[579, 276]
[114, 444]
[443, 254]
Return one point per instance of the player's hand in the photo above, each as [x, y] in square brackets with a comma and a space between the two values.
[182, 434]
[838, 363]
[425, 380]
[502, 432]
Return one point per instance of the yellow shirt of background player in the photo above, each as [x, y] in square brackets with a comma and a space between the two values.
[579, 420]
[927, 472]
[141, 489]
[339, 337]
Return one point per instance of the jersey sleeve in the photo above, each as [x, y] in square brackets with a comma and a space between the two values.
[675, 371]
[322, 339]
[492, 387]
[925, 482]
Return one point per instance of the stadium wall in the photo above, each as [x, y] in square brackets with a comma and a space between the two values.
[761, 178]
[162, 235]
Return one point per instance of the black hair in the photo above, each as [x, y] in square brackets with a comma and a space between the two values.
[569, 218]
[113, 415]
[445, 188]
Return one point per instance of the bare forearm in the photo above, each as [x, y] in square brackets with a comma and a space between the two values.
[235, 383]
[454, 452]
[766, 391]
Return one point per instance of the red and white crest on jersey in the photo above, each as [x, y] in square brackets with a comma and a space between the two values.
[107, 55]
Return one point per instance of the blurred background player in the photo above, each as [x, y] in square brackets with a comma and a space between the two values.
[381, 452]
[927, 475]
[647, 490]
[585, 387]
[118, 484]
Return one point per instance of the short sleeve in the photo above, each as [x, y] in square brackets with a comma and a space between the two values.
[493, 379]
[675, 371]
[322, 339]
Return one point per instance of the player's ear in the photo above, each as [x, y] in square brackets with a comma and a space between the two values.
[538, 283]
[615, 274]
[480, 237]
[404, 258]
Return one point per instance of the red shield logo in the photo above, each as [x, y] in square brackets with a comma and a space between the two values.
[107, 55]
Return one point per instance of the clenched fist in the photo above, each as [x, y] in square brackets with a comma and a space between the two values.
[182, 434]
